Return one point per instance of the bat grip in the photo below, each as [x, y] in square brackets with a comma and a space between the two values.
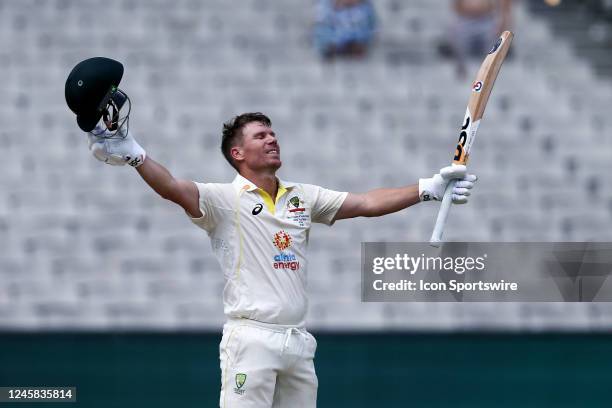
[447, 200]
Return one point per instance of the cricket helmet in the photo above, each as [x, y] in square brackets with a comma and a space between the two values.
[92, 91]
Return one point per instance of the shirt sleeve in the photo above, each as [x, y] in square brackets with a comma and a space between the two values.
[324, 203]
[209, 193]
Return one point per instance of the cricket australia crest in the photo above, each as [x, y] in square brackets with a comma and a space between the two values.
[240, 380]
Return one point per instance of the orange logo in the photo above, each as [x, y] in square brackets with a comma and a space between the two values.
[282, 240]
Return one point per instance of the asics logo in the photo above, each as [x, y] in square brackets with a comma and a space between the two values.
[257, 209]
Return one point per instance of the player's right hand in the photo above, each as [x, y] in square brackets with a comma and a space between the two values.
[117, 151]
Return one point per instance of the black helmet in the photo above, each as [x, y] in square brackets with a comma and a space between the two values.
[91, 87]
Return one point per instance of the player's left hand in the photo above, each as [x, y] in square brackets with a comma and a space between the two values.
[433, 188]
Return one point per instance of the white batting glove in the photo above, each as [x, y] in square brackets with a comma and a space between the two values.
[433, 188]
[117, 151]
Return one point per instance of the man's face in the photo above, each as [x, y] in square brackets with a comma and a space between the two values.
[259, 148]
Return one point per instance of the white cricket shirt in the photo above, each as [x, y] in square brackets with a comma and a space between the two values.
[262, 244]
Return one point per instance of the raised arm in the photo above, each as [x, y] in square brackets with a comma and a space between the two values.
[182, 192]
[123, 149]
[378, 202]
[384, 201]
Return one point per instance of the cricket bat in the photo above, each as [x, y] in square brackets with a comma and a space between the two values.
[481, 90]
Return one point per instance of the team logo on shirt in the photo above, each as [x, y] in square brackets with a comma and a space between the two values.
[297, 211]
[285, 259]
[295, 205]
[240, 380]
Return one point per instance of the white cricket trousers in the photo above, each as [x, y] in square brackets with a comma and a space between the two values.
[267, 365]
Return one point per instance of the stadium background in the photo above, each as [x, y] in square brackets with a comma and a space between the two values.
[107, 287]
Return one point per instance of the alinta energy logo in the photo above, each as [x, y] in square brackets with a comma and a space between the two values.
[282, 240]
[284, 260]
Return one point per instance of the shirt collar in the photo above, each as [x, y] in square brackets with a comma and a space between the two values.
[241, 183]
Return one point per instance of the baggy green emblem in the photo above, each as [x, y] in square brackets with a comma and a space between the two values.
[240, 380]
[295, 201]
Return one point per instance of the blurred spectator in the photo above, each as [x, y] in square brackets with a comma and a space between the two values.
[476, 25]
[344, 27]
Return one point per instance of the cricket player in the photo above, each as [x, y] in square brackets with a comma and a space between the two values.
[259, 229]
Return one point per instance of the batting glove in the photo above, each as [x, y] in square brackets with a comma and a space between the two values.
[118, 150]
[433, 188]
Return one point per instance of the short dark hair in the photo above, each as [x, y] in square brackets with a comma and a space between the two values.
[232, 131]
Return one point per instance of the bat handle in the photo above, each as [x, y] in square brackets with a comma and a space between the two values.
[447, 200]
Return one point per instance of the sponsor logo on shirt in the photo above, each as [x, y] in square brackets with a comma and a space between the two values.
[285, 259]
[282, 240]
[257, 209]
